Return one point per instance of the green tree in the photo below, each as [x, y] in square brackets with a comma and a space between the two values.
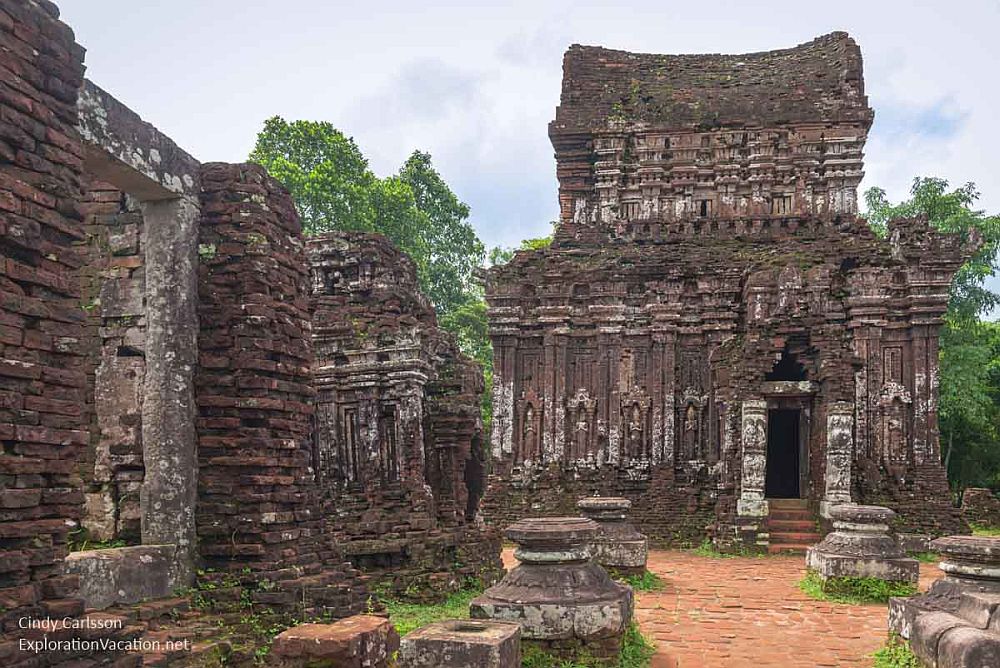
[324, 171]
[970, 402]
[334, 189]
[471, 329]
[452, 250]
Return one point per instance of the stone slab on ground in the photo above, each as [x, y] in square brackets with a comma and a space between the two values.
[124, 574]
[462, 644]
[361, 641]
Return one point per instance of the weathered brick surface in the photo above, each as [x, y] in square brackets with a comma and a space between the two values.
[42, 378]
[399, 435]
[113, 296]
[981, 507]
[708, 271]
[258, 505]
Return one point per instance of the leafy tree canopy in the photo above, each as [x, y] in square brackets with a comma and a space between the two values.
[334, 189]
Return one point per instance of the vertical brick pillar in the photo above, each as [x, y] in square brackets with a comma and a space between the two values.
[258, 503]
[256, 493]
[42, 376]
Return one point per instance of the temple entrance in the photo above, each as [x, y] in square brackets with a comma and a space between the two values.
[783, 448]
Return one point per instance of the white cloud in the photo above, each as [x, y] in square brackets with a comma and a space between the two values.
[476, 85]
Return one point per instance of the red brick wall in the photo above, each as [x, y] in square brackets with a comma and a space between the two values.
[253, 380]
[42, 379]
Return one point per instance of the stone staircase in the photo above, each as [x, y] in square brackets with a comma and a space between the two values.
[791, 526]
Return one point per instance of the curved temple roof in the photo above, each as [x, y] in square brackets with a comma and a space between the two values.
[819, 81]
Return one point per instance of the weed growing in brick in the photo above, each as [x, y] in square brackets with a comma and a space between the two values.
[856, 591]
[895, 654]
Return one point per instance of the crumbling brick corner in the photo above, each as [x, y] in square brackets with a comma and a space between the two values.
[258, 511]
[42, 379]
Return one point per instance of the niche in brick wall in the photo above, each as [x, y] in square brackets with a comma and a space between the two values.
[113, 283]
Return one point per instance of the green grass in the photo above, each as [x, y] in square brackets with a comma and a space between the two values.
[646, 582]
[856, 591]
[708, 550]
[982, 530]
[636, 653]
[895, 654]
[86, 544]
[926, 557]
[409, 616]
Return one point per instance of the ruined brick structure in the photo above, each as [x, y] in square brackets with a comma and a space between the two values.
[149, 393]
[713, 325]
[399, 439]
[981, 507]
[258, 499]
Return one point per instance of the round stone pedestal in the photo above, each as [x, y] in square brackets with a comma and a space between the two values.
[564, 601]
[969, 557]
[617, 545]
[956, 623]
[862, 545]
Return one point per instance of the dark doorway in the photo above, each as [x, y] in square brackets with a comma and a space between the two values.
[782, 481]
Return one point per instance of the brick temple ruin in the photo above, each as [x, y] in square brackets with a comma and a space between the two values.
[713, 326]
[281, 422]
[162, 383]
[398, 428]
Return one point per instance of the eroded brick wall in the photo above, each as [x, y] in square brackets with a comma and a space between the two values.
[42, 377]
[981, 507]
[399, 434]
[670, 511]
[258, 506]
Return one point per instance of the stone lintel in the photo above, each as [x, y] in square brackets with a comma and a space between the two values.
[129, 153]
[789, 388]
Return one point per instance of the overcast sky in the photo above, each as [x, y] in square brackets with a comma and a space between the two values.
[477, 85]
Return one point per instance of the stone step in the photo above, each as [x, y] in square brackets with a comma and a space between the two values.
[786, 548]
[785, 504]
[807, 525]
[796, 537]
[790, 515]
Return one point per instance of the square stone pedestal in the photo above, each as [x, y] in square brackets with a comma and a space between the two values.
[362, 641]
[462, 644]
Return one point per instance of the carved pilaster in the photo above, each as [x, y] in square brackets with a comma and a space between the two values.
[754, 443]
[502, 434]
[839, 454]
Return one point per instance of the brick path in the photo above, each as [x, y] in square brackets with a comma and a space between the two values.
[748, 612]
